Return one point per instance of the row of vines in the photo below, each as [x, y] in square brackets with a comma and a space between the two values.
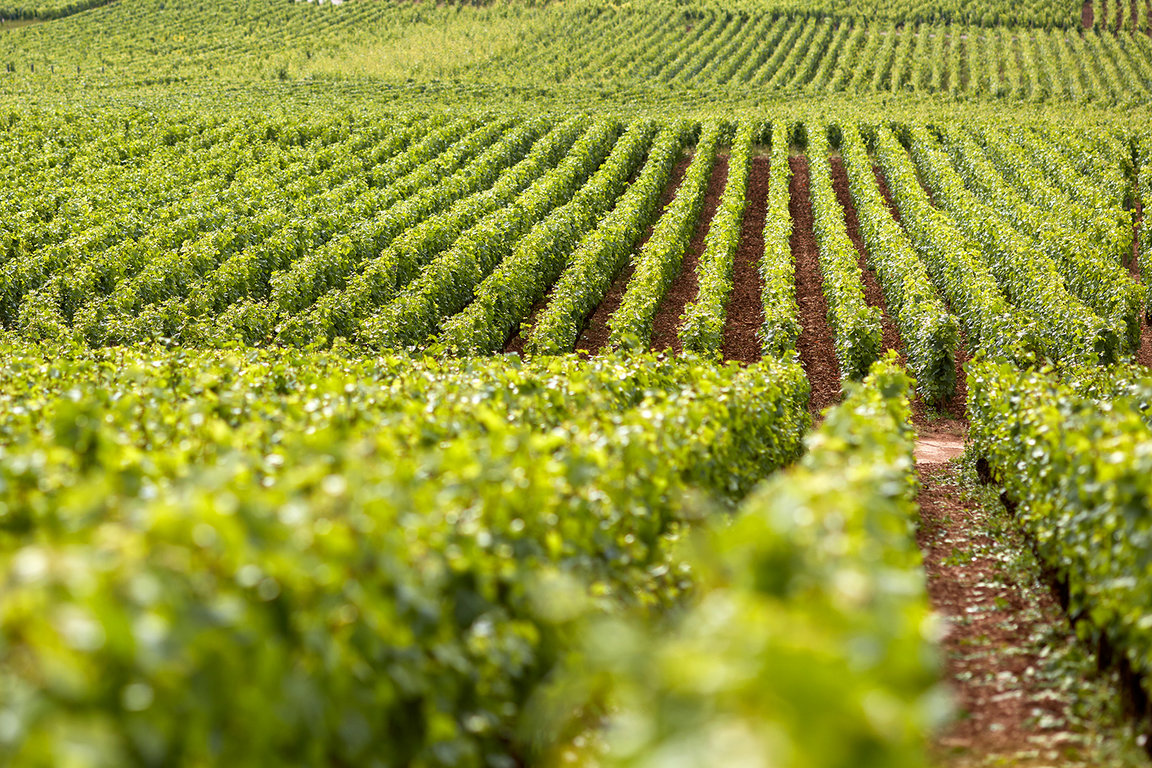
[647, 47]
[456, 234]
[822, 55]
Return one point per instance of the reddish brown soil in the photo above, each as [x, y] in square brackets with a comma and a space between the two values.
[872, 293]
[1002, 702]
[596, 334]
[746, 307]
[685, 287]
[1004, 705]
[1086, 14]
[992, 616]
[816, 344]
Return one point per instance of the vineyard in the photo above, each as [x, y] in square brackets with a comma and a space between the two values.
[734, 51]
[605, 384]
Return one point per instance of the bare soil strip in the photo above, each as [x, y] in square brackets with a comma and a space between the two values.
[938, 449]
[1000, 627]
[746, 306]
[595, 335]
[872, 293]
[516, 343]
[684, 287]
[1086, 14]
[816, 344]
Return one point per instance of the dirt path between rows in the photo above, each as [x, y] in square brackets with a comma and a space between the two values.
[1008, 710]
[816, 344]
[996, 623]
[596, 334]
[1087, 17]
[684, 287]
[746, 306]
[516, 342]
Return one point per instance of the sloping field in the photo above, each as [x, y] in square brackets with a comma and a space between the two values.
[392, 384]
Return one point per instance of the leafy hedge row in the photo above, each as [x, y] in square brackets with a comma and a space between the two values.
[701, 50]
[659, 260]
[781, 71]
[757, 666]
[927, 330]
[1088, 263]
[269, 558]
[1089, 166]
[855, 324]
[991, 325]
[603, 253]
[217, 183]
[55, 159]
[781, 326]
[754, 64]
[447, 283]
[1069, 331]
[46, 10]
[339, 312]
[1080, 471]
[757, 41]
[506, 297]
[702, 324]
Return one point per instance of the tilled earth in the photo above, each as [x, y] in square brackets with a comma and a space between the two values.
[815, 345]
[746, 307]
[1026, 690]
